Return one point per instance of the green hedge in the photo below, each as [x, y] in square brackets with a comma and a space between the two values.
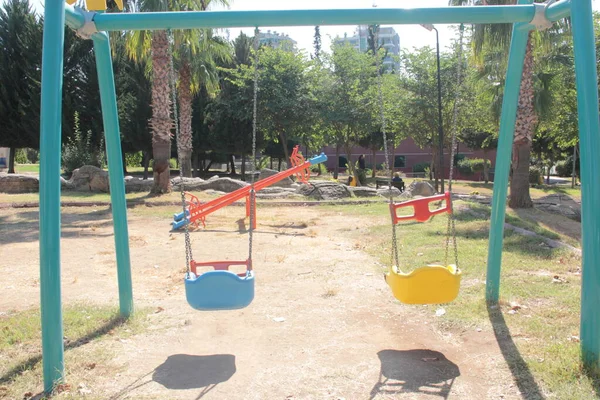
[469, 166]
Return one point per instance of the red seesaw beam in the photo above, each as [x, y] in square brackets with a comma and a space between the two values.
[200, 211]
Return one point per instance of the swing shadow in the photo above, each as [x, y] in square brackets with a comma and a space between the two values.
[186, 372]
[518, 367]
[414, 371]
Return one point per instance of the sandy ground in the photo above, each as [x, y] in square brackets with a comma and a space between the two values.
[323, 324]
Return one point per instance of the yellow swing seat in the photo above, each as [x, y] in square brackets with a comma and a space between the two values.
[432, 284]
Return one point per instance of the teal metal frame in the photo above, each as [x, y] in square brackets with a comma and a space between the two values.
[56, 14]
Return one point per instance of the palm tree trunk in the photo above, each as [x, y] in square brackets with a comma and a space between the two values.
[161, 122]
[524, 128]
[185, 119]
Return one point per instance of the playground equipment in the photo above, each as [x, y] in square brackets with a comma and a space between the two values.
[431, 284]
[196, 211]
[93, 25]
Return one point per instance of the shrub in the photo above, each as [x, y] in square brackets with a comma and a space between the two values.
[468, 166]
[79, 150]
[565, 168]
[134, 159]
[21, 156]
[421, 167]
[320, 169]
[536, 176]
[33, 156]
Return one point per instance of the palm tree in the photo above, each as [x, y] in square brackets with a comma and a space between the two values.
[196, 53]
[495, 39]
[145, 45]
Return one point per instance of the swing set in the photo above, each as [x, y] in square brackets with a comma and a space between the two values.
[95, 24]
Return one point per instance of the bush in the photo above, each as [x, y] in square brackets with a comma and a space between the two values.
[21, 156]
[79, 150]
[33, 156]
[320, 169]
[468, 166]
[536, 176]
[421, 167]
[565, 168]
[134, 159]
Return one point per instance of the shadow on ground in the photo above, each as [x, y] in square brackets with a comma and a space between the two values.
[518, 367]
[415, 371]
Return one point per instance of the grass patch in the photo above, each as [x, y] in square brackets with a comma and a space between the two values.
[537, 321]
[85, 326]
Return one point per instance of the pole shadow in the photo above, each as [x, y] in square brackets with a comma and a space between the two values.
[518, 367]
[415, 371]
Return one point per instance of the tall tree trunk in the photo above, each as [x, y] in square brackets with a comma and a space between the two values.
[573, 173]
[524, 128]
[161, 122]
[373, 162]
[279, 164]
[271, 159]
[145, 163]
[185, 119]
[232, 163]
[486, 170]
[351, 171]
[336, 169]
[11, 160]
[243, 170]
[124, 159]
[195, 162]
[284, 143]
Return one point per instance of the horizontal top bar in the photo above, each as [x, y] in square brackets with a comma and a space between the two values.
[242, 19]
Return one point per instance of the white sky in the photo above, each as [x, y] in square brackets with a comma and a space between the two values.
[410, 35]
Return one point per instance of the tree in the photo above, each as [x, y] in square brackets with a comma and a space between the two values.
[20, 56]
[479, 140]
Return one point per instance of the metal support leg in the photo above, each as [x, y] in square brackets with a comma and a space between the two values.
[50, 161]
[589, 137]
[110, 118]
[518, 46]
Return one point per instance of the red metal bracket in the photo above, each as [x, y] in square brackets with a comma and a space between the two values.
[220, 265]
[421, 213]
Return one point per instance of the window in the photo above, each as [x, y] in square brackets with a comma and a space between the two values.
[457, 158]
[342, 162]
[400, 162]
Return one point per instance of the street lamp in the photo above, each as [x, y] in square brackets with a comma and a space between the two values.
[430, 28]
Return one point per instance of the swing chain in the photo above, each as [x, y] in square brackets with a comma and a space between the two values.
[173, 84]
[252, 197]
[394, 256]
[451, 228]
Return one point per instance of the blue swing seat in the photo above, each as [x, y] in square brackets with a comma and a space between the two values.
[219, 290]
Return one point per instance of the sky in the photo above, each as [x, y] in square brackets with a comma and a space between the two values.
[410, 35]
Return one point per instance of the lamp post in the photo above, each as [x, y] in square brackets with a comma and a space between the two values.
[430, 28]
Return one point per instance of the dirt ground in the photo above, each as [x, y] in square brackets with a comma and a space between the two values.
[323, 324]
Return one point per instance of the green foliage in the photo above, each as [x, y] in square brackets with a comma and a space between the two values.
[536, 176]
[21, 156]
[320, 169]
[79, 150]
[421, 167]
[134, 159]
[33, 155]
[565, 168]
[469, 166]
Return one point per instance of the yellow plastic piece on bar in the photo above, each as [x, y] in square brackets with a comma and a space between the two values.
[433, 284]
[100, 5]
[71, 2]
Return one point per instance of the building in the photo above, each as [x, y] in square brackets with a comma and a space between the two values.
[408, 158]
[277, 40]
[388, 38]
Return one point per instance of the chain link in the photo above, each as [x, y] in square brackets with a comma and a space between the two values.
[451, 228]
[394, 255]
[252, 197]
[173, 84]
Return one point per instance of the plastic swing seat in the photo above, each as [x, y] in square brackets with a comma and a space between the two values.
[220, 289]
[432, 284]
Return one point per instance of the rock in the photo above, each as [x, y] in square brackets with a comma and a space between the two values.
[138, 185]
[362, 191]
[15, 183]
[90, 178]
[325, 191]
[421, 188]
[394, 192]
[226, 185]
[285, 182]
[276, 190]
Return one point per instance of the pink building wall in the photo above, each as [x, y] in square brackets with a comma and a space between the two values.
[413, 155]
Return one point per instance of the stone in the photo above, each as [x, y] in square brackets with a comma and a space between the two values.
[394, 192]
[362, 191]
[285, 182]
[16, 183]
[133, 185]
[325, 191]
[90, 178]
[226, 185]
[420, 188]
